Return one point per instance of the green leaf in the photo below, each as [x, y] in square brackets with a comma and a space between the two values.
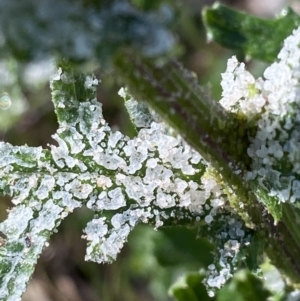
[254, 37]
[180, 245]
[190, 288]
[244, 287]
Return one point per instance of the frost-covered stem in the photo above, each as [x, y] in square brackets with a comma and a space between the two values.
[219, 137]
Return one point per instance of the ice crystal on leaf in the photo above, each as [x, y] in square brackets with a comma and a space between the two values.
[154, 178]
[273, 101]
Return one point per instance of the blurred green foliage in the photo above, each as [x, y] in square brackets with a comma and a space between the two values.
[248, 35]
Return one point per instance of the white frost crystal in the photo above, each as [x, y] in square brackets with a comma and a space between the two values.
[240, 89]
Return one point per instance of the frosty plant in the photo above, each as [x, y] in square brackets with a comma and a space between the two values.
[230, 168]
[154, 178]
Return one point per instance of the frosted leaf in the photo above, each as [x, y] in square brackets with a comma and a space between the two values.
[145, 179]
[18, 256]
[274, 100]
[149, 178]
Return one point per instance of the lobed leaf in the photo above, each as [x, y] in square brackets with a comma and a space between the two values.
[152, 178]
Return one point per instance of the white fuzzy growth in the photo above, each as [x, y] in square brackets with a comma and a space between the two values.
[274, 142]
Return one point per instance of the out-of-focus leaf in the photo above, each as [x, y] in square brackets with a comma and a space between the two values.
[255, 37]
[253, 256]
[244, 287]
[80, 32]
[190, 288]
[181, 247]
